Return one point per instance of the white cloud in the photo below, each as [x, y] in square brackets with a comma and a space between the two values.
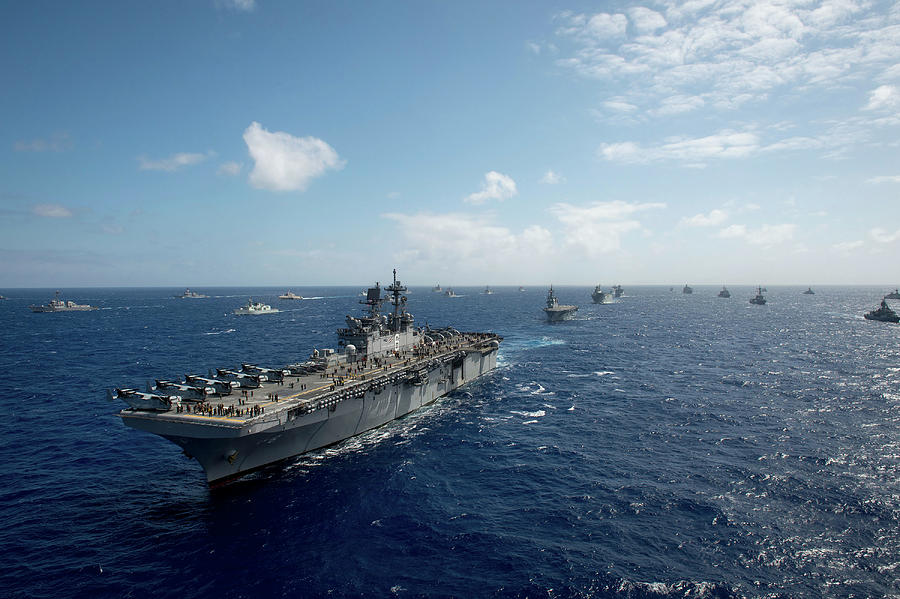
[237, 5]
[173, 162]
[472, 243]
[645, 20]
[715, 217]
[882, 236]
[885, 97]
[731, 52]
[725, 144]
[283, 162]
[552, 178]
[51, 210]
[766, 235]
[603, 25]
[230, 169]
[58, 142]
[885, 179]
[848, 246]
[599, 227]
[496, 186]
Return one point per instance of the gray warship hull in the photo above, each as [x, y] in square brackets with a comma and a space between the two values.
[227, 448]
[387, 369]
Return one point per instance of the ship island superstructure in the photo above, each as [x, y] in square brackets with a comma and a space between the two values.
[237, 421]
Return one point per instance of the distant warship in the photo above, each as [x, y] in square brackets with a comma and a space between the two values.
[488, 291]
[687, 290]
[290, 295]
[759, 299]
[437, 288]
[599, 296]
[895, 294]
[556, 311]
[188, 294]
[809, 291]
[883, 313]
[724, 292]
[58, 305]
[618, 291]
[256, 308]
[237, 421]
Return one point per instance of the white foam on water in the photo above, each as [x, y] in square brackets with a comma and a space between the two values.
[536, 414]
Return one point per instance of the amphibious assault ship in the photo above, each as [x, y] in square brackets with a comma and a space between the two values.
[234, 422]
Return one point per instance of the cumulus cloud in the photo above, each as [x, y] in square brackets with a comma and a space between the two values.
[766, 235]
[51, 210]
[885, 97]
[552, 178]
[715, 217]
[645, 20]
[283, 162]
[731, 52]
[598, 228]
[230, 169]
[173, 162]
[882, 236]
[496, 186]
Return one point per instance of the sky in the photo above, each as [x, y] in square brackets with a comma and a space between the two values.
[511, 142]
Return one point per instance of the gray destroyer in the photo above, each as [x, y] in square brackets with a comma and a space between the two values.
[234, 422]
[556, 311]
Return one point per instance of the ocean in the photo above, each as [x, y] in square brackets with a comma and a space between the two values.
[665, 445]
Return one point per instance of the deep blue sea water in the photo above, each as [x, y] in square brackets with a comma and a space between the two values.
[661, 446]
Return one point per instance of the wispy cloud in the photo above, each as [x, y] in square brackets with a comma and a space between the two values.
[51, 211]
[848, 246]
[58, 142]
[714, 218]
[172, 163]
[230, 169]
[766, 235]
[598, 228]
[884, 179]
[473, 243]
[236, 5]
[283, 162]
[722, 145]
[552, 178]
[882, 236]
[496, 186]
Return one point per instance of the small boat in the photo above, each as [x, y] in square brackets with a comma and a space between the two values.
[724, 292]
[759, 300]
[521, 288]
[687, 290]
[488, 291]
[556, 311]
[883, 313]
[450, 293]
[895, 294]
[600, 297]
[437, 288]
[809, 291]
[256, 308]
[188, 294]
[58, 305]
[290, 295]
